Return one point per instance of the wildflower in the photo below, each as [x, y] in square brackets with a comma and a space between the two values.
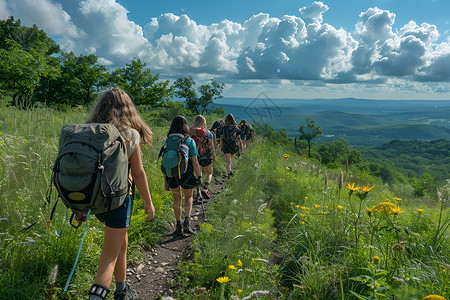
[420, 211]
[239, 291]
[232, 267]
[303, 223]
[352, 187]
[317, 205]
[340, 207]
[281, 144]
[306, 198]
[397, 210]
[367, 188]
[385, 206]
[239, 263]
[376, 260]
[369, 211]
[223, 279]
[433, 297]
[292, 203]
[298, 206]
[285, 156]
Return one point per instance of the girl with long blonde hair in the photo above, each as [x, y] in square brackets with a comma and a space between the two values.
[115, 107]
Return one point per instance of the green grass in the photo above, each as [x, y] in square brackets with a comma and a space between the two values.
[275, 226]
[319, 239]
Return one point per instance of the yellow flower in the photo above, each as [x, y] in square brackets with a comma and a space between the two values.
[292, 203]
[420, 211]
[369, 211]
[367, 188]
[223, 279]
[239, 263]
[397, 210]
[297, 206]
[376, 260]
[232, 267]
[386, 206]
[397, 199]
[433, 297]
[239, 291]
[340, 207]
[285, 156]
[306, 198]
[303, 223]
[352, 187]
[317, 205]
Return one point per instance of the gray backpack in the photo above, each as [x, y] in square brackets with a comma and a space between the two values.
[91, 169]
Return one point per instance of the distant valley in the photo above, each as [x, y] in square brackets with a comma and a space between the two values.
[360, 121]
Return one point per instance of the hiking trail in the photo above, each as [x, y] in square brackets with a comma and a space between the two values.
[154, 277]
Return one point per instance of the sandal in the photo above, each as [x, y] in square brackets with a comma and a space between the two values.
[99, 291]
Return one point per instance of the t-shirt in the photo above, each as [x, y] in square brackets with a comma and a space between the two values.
[192, 147]
[132, 140]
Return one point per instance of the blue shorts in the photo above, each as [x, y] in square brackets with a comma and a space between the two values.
[119, 217]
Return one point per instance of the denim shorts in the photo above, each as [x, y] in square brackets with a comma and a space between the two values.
[119, 217]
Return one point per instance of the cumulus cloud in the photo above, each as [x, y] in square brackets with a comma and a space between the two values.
[293, 47]
[49, 16]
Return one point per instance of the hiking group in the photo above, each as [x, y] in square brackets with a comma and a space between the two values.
[99, 164]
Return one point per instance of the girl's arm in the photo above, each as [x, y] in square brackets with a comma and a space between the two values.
[196, 165]
[140, 179]
[213, 151]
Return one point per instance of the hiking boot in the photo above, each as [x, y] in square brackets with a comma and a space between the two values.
[126, 294]
[178, 230]
[206, 194]
[187, 228]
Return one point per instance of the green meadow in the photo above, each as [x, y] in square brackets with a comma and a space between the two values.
[283, 227]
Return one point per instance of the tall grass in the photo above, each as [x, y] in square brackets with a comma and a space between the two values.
[324, 235]
[31, 246]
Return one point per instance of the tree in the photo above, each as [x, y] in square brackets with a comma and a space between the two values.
[309, 132]
[184, 88]
[338, 152]
[141, 85]
[79, 80]
[25, 57]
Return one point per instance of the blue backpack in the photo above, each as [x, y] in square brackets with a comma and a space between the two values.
[175, 155]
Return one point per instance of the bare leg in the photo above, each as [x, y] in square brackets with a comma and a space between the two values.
[187, 202]
[120, 272]
[209, 172]
[176, 192]
[114, 241]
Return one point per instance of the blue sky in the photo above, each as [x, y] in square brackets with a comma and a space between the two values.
[385, 49]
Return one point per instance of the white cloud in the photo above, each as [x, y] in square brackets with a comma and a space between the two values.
[4, 11]
[293, 47]
[47, 15]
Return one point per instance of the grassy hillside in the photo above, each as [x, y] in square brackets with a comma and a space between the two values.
[283, 225]
[295, 230]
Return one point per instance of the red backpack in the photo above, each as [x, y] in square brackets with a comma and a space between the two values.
[200, 140]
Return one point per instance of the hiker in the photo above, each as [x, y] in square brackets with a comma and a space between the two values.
[204, 140]
[186, 181]
[115, 107]
[216, 130]
[245, 131]
[230, 141]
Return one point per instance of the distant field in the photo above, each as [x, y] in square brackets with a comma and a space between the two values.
[361, 121]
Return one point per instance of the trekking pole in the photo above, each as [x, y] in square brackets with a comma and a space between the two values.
[199, 194]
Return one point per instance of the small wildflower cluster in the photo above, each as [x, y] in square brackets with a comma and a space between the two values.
[386, 206]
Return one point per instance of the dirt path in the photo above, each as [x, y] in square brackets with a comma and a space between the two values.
[154, 277]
